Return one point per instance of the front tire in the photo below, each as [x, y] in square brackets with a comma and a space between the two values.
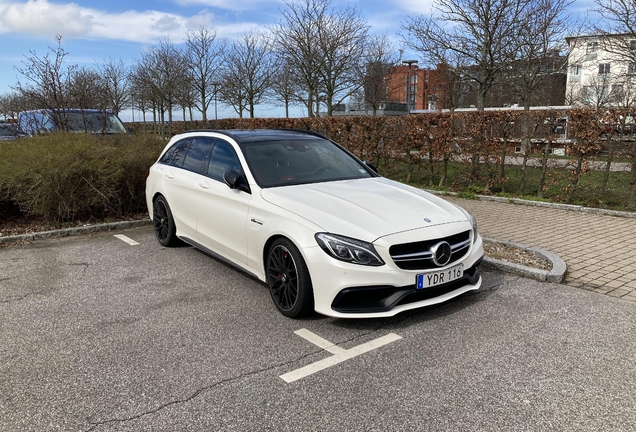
[163, 222]
[288, 279]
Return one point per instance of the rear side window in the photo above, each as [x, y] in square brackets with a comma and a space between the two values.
[197, 157]
[223, 157]
[176, 154]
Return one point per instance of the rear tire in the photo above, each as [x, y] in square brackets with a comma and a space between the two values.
[163, 222]
[289, 280]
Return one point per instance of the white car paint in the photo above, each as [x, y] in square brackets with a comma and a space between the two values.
[236, 225]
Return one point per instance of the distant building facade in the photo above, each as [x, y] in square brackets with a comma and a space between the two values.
[602, 71]
[424, 87]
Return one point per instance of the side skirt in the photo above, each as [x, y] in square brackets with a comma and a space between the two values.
[219, 257]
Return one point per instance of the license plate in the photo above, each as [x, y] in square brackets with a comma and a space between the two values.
[439, 277]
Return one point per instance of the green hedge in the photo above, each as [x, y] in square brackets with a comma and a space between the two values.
[65, 177]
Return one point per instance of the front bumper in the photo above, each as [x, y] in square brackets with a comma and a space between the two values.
[379, 299]
[352, 291]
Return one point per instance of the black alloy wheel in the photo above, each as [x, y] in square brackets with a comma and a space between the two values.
[288, 279]
[163, 222]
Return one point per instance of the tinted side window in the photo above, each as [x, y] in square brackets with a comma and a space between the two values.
[223, 157]
[197, 158]
[176, 154]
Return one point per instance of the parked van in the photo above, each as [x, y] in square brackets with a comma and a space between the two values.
[70, 120]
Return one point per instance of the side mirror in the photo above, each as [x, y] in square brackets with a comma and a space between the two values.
[370, 165]
[236, 180]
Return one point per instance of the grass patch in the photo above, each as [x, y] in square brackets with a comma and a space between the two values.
[589, 191]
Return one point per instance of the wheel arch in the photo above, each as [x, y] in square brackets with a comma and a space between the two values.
[267, 247]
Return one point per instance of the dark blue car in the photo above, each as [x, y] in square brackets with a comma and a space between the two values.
[70, 120]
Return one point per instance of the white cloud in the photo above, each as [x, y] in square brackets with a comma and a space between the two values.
[415, 7]
[234, 5]
[41, 17]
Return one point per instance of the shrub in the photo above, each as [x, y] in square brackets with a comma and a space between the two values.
[63, 177]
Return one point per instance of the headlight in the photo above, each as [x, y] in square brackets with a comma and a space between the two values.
[473, 223]
[349, 250]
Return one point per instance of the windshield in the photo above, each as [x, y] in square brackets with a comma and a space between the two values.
[92, 122]
[285, 162]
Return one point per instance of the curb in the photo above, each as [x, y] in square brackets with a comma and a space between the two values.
[625, 214]
[66, 232]
[556, 275]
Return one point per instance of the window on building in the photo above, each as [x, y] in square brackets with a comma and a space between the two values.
[631, 69]
[603, 68]
[632, 45]
[575, 70]
[592, 48]
[617, 94]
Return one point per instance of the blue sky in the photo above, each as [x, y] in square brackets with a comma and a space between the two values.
[96, 30]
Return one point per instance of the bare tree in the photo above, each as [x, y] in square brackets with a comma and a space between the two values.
[295, 40]
[342, 39]
[204, 55]
[285, 86]
[47, 78]
[251, 66]
[85, 90]
[324, 47]
[186, 97]
[617, 31]
[160, 73]
[116, 84]
[539, 54]
[619, 18]
[483, 33]
[380, 55]
[10, 105]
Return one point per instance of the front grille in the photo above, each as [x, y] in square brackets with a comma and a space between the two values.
[418, 255]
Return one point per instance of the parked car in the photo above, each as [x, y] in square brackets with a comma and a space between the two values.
[320, 227]
[70, 120]
[9, 131]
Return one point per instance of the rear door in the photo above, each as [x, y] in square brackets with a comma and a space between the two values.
[183, 173]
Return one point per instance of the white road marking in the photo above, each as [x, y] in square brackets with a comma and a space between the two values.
[339, 354]
[322, 343]
[126, 239]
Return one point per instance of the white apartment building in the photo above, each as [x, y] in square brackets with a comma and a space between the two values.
[601, 71]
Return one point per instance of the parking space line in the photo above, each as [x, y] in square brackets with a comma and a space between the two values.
[322, 343]
[126, 239]
[339, 356]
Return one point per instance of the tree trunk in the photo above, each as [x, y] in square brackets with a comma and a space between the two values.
[575, 180]
[431, 166]
[544, 169]
[444, 170]
[632, 181]
[502, 172]
[608, 165]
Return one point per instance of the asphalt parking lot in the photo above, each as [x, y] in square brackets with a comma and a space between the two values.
[99, 334]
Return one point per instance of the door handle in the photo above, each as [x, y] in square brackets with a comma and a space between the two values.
[170, 176]
[204, 186]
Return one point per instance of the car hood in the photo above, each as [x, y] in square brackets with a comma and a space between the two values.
[366, 209]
